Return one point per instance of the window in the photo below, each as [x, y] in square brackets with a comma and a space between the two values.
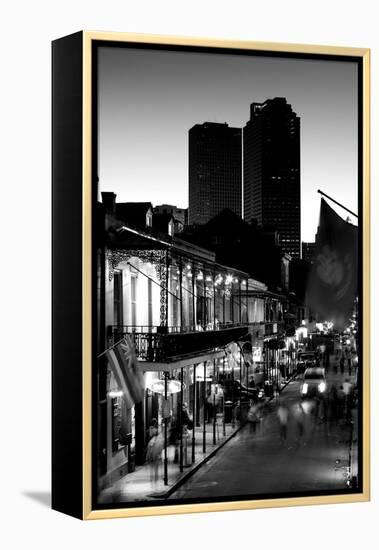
[149, 218]
[149, 302]
[133, 299]
[117, 298]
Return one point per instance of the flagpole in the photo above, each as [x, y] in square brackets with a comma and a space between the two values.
[338, 203]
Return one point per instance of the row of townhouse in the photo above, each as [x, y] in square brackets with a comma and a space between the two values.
[193, 323]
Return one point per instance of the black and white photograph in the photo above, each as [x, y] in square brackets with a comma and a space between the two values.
[227, 260]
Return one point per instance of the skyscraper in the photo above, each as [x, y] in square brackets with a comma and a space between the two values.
[215, 171]
[307, 251]
[272, 170]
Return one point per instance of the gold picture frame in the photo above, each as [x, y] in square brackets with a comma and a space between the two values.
[82, 466]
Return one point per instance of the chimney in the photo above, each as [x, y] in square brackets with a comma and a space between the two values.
[109, 201]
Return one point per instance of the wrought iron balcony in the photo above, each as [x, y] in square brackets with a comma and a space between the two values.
[165, 344]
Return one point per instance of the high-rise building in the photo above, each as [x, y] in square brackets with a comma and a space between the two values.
[307, 251]
[271, 150]
[215, 171]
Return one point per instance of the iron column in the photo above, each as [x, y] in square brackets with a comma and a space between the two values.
[165, 474]
[204, 406]
[194, 413]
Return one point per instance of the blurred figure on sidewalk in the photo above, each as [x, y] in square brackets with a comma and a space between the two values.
[253, 417]
[153, 428]
[154, 457]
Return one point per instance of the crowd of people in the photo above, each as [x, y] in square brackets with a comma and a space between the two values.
[303, 415]
[297, 417]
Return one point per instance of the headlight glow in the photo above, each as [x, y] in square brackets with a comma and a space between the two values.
[304, 389]
[321, 387]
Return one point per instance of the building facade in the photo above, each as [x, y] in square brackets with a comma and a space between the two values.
[199, 333]
[179, 214]
[271, 153]
[307, 251]
[215, 171]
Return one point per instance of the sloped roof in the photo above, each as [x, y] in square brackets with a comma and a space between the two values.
[133, 213]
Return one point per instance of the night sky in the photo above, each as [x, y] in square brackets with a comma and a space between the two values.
[148, 100]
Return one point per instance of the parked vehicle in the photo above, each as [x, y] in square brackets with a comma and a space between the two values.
[307, 359]
[240, 391]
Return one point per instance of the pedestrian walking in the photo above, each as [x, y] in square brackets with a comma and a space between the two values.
[349, 364]
[327, 360]
[283, 414]
[209, 407]
[347, 388]
[262, 415]
[335, 366]
[187, 424]
[342, 365]
[332, 405]
[340, 402]
[153, 428]
[253, 417]
[298, 415]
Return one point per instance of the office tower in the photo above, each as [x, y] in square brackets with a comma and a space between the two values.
[307, 251]
[271, 146]
[215, 171]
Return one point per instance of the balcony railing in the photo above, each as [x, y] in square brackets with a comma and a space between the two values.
[176, 329]
[165, 344]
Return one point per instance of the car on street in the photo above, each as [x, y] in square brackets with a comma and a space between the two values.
[234, 390]
[313, 383]
[306, 359]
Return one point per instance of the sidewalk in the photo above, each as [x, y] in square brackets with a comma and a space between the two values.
[136, 486]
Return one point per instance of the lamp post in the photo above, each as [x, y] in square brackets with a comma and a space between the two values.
[181, 422]
[223, 397]
[205, 312]
[231, 303]
[240, 300]
[214, 402]
[233, 403]
[193, 299]
[240, 384]
[165, 469]
[223, 305]
[194, 414]
[247, 301]
[181, 293]
[214, 300]
[204, 406]
[165, 388]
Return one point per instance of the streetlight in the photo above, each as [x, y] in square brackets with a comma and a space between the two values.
[165, 387]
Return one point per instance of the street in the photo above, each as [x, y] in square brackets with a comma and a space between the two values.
[261, 464]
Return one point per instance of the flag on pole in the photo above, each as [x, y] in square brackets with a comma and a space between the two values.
[332, 285]
[125, 367]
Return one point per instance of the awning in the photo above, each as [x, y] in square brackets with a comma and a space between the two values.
[147, 366]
